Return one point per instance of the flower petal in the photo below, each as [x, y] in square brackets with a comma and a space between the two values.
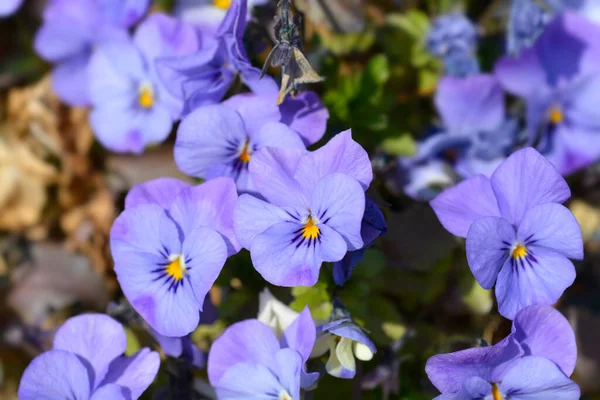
[111, 391]
[300, 335]
[70, 80]
[246, 341]
[535, 378]
[96, 338]
[522, 75]
[136, 373]
[553, 227]
[255, 110]
[59, 39]
[488, 245]
[209, 204]
[290, 370]
[540, 279]
[307, 115]
[252, 216]
[235, 385]
[55, 374]
[339, 202]
[526, 179]
[341, 362]
[161, 191]
[276, 134]
[459, 206]
[352, 331]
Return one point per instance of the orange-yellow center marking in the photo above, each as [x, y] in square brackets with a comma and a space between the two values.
[222, 4]
[245, 155]
[177, 269]
[146, 97]
[556, 115]
[310, 230]
[496, 392]
[519, 251]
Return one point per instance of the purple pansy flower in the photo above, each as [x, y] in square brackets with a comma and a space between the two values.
[519, 236]
[312, 209]
[559, 78]
[9, 7]
[204, 77]
[220, 140]
[535, 360]
[87, 362]
[131, 107]
[249, 362]
[373, 225]
[169, 252]
[69, 34]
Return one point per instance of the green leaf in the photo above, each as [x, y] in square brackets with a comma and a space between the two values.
[316, 298]
[403, 145]
[133, 344]
[414, 22]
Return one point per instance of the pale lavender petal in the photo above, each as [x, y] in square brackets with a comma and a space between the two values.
[300, 335]
[340, 154]
[272, 171]
[70, 80]
[533, 378]
[96, 338]
[545, 332]
[526, 179]
[252, 216]
[111, 391]
[207, 136]
[339, 202]
[276, 134]
[248, 380]
[209, 204]
[353, 332]
[255, 110]
[136, 373]
[523, 75]
[458, 207]
[161, 191]
[123, 12]
[553, 227]
[307, 115]
[472, 103]
[117, 128]
[58, 40]
[541, 277]
[290, 369]
[55, 374]
[489, 242]
[9, 7]
[246, 341]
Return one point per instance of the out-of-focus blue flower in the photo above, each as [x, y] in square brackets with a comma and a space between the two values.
[534, 361]
[204, 78]
[559, 78]
[373, 225]
[131, 108]
[208, 14]
[72, 29]
[9, 7]
[527, 21]
[248, 361]
[169, 246]
[312, 209]
[519, 237]
[423, 180]
[87, 362]
[453, 38]
[345, 341]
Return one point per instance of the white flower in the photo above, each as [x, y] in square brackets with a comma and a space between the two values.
[274, 313]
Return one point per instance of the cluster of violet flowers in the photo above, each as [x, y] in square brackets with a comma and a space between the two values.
[294, 210]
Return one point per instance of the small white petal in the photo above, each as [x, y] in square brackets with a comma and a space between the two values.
[362, 352]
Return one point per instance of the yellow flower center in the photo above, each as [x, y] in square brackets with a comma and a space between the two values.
[496, 392]
[245, 154]
[176, 268]
[555, 115]
[519, 251]
[310, 230]
[146, 96]
[222, 4]
[283, 395]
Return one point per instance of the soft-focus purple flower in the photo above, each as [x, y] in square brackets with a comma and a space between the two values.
[167, 258]
[72, 29]
[373, 225]
[248, 361]
[519, 236]
[312, 209]
[208, 14]
[220, 140]
[9, 7]
[87, 362]
[422, 180]
[559, 78]
[132, 109]
[526, 22]
[205, 77]
[535, 359]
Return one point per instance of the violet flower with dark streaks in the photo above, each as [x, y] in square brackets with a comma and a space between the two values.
[519, 236]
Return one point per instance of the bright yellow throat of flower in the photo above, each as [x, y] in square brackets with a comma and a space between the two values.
[310, 230]
[555, 115]
[496, 392]
[176, 269]
[519, 251]
[222, 4]
[245, 154]
[146, 98]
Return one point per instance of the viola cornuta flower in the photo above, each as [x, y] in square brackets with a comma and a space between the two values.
[72, 29]
[87, 362]
[519, 236]
[312, 209]
[560, 85]
[534, 361]
[220, 140]
[167, 258]
[131, 107]
[248, 361]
